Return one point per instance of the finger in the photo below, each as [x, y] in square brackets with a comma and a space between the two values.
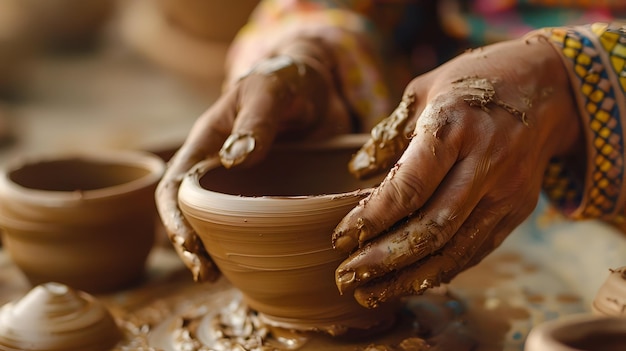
[388, 140]
[205, 138]
[425, 232]
[408, 185]
[438, 268]
[273, 98]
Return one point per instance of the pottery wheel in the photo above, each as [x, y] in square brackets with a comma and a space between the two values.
[219, 320]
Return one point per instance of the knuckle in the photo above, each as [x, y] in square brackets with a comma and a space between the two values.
[406, 192]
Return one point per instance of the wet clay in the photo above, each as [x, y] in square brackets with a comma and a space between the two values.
[195, 320]
[388, 140]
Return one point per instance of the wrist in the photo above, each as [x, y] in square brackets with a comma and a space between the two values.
[544, 90]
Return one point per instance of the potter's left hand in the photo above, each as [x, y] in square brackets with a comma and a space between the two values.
[482, 129]
[291, 94]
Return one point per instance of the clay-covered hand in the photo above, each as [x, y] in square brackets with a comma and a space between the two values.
[289, 95]
[467, 149]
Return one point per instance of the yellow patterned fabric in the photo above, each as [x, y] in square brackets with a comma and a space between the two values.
[595, 56]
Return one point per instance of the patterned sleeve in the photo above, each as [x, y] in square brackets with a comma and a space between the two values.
[595, 56]
[340, 24]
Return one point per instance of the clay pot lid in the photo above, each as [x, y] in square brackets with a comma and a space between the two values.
[52, 317]
[610, 300]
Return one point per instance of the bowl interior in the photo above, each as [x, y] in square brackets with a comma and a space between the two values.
[75, 174]
[291, 171]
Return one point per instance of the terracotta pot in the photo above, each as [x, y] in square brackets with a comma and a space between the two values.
[578, 333]
[16, 46]
[213, 20]
[268, 229]
[144, 28]
[83, 220]
[68, 24]
[610, 300]
[54, 317]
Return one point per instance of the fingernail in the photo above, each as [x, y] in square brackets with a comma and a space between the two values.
[344, 278]
[236, 148]
[348, 239]
[345, 243]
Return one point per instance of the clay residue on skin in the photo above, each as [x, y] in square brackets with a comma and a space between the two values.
[389, 138]
[236, 149]
[481, 93]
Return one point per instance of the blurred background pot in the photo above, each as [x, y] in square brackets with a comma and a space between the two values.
[579, 333]
[85, 220]
[212, 20]
[189, 37]
[68, 24]
[268, 228]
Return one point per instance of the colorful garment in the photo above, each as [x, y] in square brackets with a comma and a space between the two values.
[414, 36]
[595, 56]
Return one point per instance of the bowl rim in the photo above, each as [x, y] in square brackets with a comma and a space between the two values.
[134, 158]
[191, 180]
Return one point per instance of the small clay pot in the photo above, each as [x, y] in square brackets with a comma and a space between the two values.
[212, 20]
[84, 220]
[268, 228]
[54, 317]
[190, 38]
[579, 333]
[610, 300]
[16, 46]
[68, 24]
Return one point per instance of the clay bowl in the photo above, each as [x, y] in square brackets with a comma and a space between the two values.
[578, 333]
[85, 220]
[268, 228]
[54, 317]
[212, 20]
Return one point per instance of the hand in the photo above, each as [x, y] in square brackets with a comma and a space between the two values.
[473, 138]
[291, 95]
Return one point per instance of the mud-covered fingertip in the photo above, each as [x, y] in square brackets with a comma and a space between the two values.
[368, 298]
[345, 279]
[362, 164]
[236, 149]
[344, 242]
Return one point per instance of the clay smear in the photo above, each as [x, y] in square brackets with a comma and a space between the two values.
[194, 320]
[388, 140]
[481, 93]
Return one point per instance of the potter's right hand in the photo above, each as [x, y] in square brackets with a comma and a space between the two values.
[290, 95]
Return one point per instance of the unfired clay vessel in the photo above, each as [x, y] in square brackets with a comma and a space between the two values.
[54, 317]
[579, 333]
[212, 20]
[268, 228]
[85, 220]
[604, 329]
